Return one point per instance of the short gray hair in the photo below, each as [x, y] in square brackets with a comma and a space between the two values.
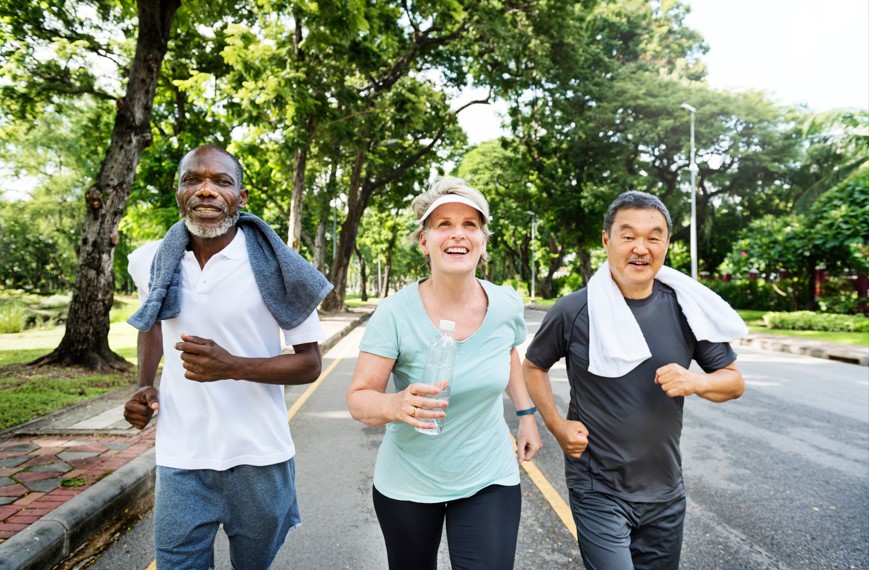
[636, 200]
[239, 171]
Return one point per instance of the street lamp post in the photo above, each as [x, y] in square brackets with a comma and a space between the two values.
[533, 275]
[693, 168]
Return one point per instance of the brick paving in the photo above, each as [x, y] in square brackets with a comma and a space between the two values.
[40, 473]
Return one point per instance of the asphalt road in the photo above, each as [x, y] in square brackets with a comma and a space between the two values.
[778, 479]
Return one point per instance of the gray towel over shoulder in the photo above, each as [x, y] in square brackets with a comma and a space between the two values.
[290, 286]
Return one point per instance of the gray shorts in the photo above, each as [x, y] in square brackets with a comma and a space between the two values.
[615, 534]
[256, 506]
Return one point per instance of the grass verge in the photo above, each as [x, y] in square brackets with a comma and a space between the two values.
[754, 320]
[27, 393]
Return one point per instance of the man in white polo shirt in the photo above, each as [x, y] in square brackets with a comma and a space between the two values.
[220, 292]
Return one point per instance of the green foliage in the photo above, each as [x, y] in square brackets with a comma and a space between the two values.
[837, 149]
[833, 233]
[809, 320]
[13, 316]
[757, 294]
[839, 225]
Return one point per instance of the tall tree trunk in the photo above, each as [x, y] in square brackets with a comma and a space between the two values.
[320, 245]
[555, 260]
[300, 161]
[294, 225]
[86, 338]
[390, 255]
[357, 200]
[363, 276]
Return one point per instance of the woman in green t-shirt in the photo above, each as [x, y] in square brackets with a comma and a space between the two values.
[468, 475]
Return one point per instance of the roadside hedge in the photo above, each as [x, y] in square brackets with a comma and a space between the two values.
[810, 320]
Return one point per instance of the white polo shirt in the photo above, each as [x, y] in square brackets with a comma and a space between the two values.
[218, 425]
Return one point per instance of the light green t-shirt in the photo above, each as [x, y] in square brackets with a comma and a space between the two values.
[475, 449]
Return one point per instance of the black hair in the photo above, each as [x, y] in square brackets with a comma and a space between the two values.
[638, 200]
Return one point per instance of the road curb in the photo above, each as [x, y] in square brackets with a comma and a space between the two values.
[846, 353]
[58, 534]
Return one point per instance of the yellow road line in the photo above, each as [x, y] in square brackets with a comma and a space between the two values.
[550, 494]
[304, 397]
[291, 412]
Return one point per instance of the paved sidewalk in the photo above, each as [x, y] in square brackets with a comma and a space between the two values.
[64, 476]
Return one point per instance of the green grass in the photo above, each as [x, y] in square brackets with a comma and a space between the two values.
[352, 300]
[28, 392]
[538, 301]
[754, 320]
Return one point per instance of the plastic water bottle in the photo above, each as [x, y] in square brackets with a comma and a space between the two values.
[439, 370]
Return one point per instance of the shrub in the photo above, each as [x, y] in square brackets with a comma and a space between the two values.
[809, 320]
[13, 317]
[755, 295]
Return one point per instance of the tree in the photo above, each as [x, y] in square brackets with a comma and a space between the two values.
[837, 149]
[834, 234]
[40, 229]
[85, 340]
[569, 115]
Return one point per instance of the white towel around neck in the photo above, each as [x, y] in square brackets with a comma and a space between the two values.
[616, 343]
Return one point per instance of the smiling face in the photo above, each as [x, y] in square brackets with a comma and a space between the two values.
[636, 248]
[453, 239]
[208, 194]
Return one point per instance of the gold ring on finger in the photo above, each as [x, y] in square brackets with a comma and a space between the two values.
[413, 411]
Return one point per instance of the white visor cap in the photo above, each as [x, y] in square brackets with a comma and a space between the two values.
[450, 199]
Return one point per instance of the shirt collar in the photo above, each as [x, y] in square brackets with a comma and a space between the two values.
[236, 249]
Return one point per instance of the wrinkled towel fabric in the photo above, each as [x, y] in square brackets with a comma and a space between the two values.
[616, 343]
[290, 287]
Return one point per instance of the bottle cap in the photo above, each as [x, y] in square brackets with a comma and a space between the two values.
[448, 325]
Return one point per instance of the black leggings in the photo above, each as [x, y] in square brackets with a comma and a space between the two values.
[481, 530]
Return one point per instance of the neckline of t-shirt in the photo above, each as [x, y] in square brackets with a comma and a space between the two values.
[471, 340]
[657, 289]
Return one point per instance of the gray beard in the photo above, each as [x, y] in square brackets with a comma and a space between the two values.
[210, 232]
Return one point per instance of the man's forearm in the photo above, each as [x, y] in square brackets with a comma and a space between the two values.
[723, 385]
[149, 351]
[540, 390]
[301, 367]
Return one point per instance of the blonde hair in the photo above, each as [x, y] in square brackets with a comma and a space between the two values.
[442, 186]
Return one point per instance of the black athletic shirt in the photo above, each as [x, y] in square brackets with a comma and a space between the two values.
[634, 427]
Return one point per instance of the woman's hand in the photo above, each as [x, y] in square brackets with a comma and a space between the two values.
[412, 406]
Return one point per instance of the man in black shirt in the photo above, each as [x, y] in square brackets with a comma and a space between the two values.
[621, 436]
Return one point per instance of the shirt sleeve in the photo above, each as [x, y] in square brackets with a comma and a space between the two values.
[712, 356]
[517, 310]
[551, 341]
[311, 330]
[139, 266]
[381, 332]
